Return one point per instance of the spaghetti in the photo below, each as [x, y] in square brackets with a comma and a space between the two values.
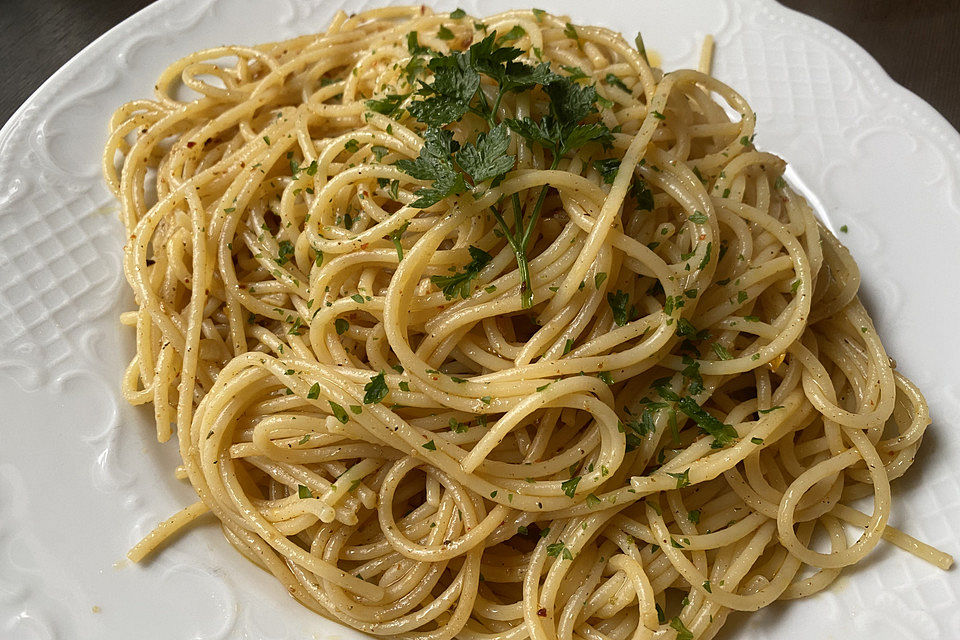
[493, 330]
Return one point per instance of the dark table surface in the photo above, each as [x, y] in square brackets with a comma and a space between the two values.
[916, 42]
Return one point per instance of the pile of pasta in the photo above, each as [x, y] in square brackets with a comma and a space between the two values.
[665, 415]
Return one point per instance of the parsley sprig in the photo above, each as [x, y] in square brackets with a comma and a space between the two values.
[456, 79]
[561, 132]
[455, 92]
[435, 163]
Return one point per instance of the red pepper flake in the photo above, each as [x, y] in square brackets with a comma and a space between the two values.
[191, 144]
[542, 612]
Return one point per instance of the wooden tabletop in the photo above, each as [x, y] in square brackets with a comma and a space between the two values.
[916, 42]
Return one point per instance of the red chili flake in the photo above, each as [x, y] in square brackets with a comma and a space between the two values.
[191, 144]
[542, 612]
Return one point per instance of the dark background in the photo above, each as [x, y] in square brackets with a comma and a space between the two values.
[917, 42]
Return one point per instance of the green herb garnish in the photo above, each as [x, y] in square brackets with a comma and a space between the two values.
[458, 284]
[682, 632]
[454, 92]
[559, 550]
[683, 479]
[618, 304]
[339, 412]
[570, 486]
[723, 434]
[614, 81]
[286, 250]
[375, 390]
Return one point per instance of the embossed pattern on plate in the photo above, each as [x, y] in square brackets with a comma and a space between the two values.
[81, 476]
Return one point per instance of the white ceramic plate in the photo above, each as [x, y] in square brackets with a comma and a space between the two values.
[81, 475]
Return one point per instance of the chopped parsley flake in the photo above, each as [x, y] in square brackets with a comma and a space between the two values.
[721, 351]
[607, 168]
[682, 632]
[570, 486]
[683, 479]
[558, 550]
[339, 412]
[618, 304]
[723, 434]
[614, 81]
[458, 284]
[375, 390]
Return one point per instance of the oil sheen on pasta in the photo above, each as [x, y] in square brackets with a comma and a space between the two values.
[489, 329]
